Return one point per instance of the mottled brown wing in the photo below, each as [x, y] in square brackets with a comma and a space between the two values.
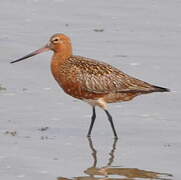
[99, 77]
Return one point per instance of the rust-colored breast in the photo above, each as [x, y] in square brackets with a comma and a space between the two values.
[68, 75]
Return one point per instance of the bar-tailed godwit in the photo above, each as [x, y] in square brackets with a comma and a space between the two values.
[92, 81]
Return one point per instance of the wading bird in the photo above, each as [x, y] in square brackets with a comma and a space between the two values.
[92, 81]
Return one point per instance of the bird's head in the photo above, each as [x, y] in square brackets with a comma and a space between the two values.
[59, 43]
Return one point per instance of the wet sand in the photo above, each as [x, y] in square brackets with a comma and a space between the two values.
[43, 130]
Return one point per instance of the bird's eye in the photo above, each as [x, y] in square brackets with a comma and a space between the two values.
[55, 40]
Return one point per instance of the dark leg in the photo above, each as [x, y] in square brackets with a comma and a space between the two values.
[92, 121]
[111, 122]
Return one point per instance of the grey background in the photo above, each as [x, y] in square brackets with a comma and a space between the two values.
[142, 38]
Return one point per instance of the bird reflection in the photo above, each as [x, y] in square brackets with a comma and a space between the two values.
[94, 153]
[109, 172]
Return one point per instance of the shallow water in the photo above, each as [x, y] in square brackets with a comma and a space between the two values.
[42, 132]
[107, 171]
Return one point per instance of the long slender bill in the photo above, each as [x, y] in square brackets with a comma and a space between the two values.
[41, 50]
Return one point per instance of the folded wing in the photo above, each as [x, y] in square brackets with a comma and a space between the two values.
[98, 77]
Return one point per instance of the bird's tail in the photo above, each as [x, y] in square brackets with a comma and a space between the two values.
[160, 89]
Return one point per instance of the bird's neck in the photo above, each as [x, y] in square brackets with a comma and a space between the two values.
[58, 60]
[62, 54]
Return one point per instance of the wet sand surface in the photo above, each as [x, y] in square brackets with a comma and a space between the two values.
[43, 131]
